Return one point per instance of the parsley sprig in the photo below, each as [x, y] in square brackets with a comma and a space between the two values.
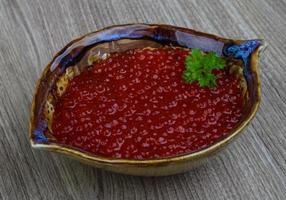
[199, 67]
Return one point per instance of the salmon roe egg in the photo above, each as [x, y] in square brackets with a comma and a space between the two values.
[135, 105]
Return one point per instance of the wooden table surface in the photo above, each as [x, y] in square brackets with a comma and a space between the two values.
[32, 31]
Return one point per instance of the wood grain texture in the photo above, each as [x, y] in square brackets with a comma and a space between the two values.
[32, 31]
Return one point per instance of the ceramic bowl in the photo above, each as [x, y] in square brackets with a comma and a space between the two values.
[244, 53]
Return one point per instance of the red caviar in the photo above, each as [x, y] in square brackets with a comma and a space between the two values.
[135, 105]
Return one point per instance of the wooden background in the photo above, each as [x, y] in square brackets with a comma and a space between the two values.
[32, 31]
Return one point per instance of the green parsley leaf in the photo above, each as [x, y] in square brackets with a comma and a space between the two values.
[199, 67]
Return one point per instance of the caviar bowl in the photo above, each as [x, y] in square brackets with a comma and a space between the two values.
[81, 52]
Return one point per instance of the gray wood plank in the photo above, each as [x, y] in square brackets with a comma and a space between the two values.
[32, 31]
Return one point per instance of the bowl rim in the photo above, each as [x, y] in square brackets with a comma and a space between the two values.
[73, 152]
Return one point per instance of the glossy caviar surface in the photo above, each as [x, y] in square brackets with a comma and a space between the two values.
[136, 105]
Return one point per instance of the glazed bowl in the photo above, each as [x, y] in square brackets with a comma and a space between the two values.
[79, 52]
